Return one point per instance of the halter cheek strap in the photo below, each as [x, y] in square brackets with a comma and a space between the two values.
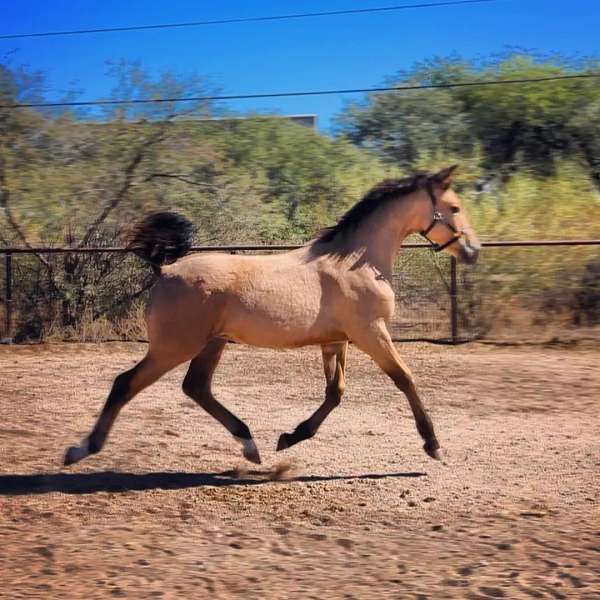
[439, 218]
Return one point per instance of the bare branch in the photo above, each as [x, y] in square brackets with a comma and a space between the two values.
[189, 180]
[184, 178]
[12, 220]
[123, 190]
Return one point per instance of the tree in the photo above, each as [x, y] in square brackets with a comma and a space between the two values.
[82, 176]
[73, 179]
[411, 129]
[516, 126]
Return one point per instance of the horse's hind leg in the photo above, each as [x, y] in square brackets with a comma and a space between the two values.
[125, 387]
[334, 363]
[375, 340]
[197, 385]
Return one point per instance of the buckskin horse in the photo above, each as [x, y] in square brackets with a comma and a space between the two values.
[335, 289]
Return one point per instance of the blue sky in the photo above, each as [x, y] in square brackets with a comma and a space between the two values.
[317, 53]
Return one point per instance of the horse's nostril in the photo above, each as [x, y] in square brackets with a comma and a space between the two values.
[470, 254]
[476, 247]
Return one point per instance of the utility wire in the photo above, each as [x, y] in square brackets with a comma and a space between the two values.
[332, 13]
[404, 88]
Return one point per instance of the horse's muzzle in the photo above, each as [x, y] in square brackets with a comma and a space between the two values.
[469, 254]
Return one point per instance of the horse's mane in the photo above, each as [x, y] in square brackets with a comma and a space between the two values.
[376, 197]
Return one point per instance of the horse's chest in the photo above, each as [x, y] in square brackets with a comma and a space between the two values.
[371, 299]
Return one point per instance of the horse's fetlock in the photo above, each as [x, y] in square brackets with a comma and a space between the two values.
[94, 445]
[304, 431]
[333, 394]
[242, 431]
[432, 444]
[425, 429]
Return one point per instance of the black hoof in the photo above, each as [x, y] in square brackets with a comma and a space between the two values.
[73, 455]
[249, 449]
[432, 447]
[284, 442]
[252, 455]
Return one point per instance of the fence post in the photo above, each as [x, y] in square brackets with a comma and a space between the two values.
[454, 299]
[8, 296]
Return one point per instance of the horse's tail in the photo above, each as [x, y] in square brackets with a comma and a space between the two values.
[161, 238]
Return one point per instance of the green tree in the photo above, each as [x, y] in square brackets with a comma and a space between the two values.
[415, 128]
[507, 127]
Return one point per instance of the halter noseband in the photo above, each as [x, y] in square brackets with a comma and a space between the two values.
[439, 218]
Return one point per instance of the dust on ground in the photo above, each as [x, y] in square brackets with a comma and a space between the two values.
[169, 509]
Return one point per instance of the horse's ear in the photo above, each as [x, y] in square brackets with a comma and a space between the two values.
[445, 177]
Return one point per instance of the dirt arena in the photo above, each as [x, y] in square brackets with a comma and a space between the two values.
[170, 510]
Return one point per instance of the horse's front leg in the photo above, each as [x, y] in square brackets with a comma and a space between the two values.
[374, 339]
[334, 363]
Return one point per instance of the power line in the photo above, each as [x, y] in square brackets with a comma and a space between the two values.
[332, 13]
[405, 88]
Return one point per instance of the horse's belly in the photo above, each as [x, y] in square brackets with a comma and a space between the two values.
[279, 321]
[282, 338]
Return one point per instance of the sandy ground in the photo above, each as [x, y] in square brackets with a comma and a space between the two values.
[170, 510]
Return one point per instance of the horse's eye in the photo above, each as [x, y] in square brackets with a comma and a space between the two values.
[455, 209]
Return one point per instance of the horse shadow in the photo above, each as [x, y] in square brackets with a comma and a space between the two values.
[111, 481]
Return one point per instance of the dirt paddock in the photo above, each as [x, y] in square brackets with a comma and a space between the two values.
[170, 510]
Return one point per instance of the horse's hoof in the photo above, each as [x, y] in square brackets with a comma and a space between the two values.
[253, 457]
[433, 449]
[74, 454]
[437, 455]
[250, 451]
[283, 443]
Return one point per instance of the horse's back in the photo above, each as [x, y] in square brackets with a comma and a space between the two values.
[274, 300]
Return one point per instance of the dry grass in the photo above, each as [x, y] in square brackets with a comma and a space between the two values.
[131, 327]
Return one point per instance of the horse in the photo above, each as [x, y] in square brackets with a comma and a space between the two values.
[335, 289]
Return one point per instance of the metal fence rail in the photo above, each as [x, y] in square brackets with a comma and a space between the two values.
[280, 247]
[445, 307]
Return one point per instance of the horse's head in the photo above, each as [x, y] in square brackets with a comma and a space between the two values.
[447, 226]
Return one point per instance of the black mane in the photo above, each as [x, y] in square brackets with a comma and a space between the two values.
[377, 196]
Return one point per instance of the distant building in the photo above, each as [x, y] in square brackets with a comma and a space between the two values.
[306, 120]
[309, 121]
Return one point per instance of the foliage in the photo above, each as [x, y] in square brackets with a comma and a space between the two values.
[79, 182]
[530, 167]
[526, 126]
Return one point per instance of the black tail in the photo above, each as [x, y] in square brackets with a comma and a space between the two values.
[161, 238]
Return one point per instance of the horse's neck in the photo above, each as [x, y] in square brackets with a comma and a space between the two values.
[379, 238]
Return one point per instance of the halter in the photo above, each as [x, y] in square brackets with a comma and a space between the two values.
[439, 218]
